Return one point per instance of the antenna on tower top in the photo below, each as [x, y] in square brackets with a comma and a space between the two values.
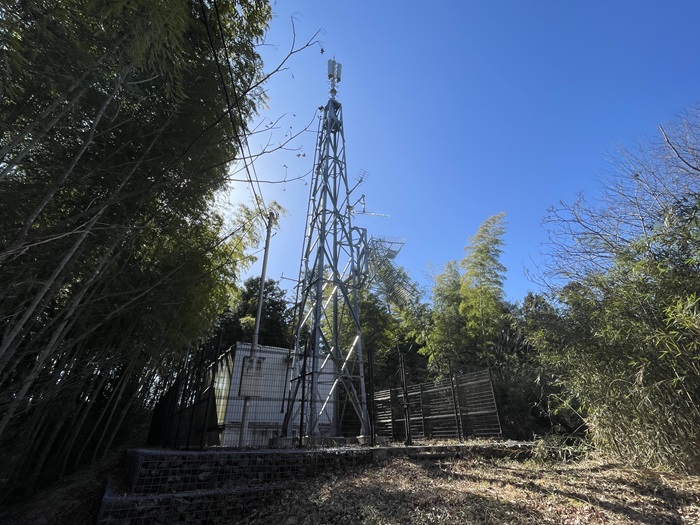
[334, 71]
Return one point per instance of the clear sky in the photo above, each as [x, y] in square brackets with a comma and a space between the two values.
[459, 110]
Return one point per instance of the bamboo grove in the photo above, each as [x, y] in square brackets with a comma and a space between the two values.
[115, 139]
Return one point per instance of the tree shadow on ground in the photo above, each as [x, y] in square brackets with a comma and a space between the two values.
[382, 502]
[578, 486]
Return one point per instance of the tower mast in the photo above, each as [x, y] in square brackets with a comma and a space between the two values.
[332, 270]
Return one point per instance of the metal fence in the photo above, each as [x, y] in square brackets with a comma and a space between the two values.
[206, 406]
[190, 414]
[460, 406]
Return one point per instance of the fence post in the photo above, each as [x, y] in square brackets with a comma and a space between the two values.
[183, 401]
[371, 407]
[205, 431]
[392, 419]
[406, 408]
[303, 395]
[422, 412]
[455, 403]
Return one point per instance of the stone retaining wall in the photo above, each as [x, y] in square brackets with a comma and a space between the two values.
[219, 486]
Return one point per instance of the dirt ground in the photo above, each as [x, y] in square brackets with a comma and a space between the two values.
[482, 491]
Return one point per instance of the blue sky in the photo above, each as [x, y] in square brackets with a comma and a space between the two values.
[459, 110]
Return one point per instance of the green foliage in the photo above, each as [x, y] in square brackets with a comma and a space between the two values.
[482, 267]
[469, 311]
[385, 333]
[275, 323]
[446, 340]
[236, 323]
[114, 142]
[522, 389]
[482, 303]
[622, 335]
[472, 326]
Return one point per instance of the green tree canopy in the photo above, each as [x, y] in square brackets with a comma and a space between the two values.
[447, 338]
[276, 321]
[468, 308]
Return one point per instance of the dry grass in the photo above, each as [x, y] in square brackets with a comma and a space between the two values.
[479, 491]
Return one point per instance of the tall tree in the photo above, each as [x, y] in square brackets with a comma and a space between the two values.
[447, 338]
[276, 322]
[481, 291]
[468, 308]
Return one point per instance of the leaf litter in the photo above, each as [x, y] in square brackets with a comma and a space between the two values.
[485, 491]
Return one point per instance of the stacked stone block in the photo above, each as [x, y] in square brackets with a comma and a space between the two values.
[214, 486]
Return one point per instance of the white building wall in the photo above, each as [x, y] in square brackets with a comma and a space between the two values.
[268, 377]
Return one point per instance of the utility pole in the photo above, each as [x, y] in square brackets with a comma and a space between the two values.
[254, 345]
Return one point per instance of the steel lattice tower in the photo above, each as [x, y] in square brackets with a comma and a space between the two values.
[328, 343]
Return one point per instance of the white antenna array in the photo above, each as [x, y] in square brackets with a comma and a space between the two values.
[334, 72]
